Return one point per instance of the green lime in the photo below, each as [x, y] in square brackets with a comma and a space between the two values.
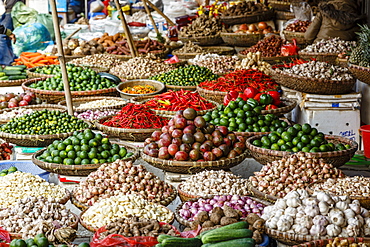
[30, 242]
[42, 242]
[314, 150]
[286, 136]
[265, 141]
[49, 159]
[61, 146]
[75, 141]
[62, 154]
[300, 145]
[84, 245]
[347, 146]
[313, 132]
[85, 162]
[67, 141]
[2, 174]
[275, 147]
[57, 160]
[206, 117]
[331, 146]
[284, 147]
[306, 128]
[106, 146]
[40, 235]
[122, 152]
[340, 147]
[240, 114]
[257, 143]
[273, 137]
[296, 140]
[93, 143]
[94, 161]
[77, 161]
[305, 139]
[247, 107]
[224, 122]
[306, 149]
[293, 131]
[116, 157]
[18, 243]
[85, 147]
[12, 169]
[68, 161]
[289, 145]
[242, 127]
[99, 137]
[92, 155]
[265, 129]
[280, 142]
[69, 148]
[297, 127]
[295, 149]
[241, 103]
[232, 105]
[71, 154]
[324, 148]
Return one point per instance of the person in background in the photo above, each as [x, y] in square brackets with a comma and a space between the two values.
[336, 18]
[8, 32]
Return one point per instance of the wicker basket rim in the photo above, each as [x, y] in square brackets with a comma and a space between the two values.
[255, 192]
[355, 66]
[241, 34]
[93, 98]
[206, 49]
[317, 53]
[13, 81]
[294, 33]
[279, 2]
[321, 243]
[159, 86]
[201, 37]
[43, 106]
[240, 16]
[120, 130]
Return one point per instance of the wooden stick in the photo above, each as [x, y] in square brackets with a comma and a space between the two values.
[150, 16]
[76, 31]
[160, 12]
[58, 38]
[130, 42]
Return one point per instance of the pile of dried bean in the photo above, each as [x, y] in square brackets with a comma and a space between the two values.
[270, 46]
[190, 47]
[142, 46]
[202, 26]
[298, 26]
[245, 8]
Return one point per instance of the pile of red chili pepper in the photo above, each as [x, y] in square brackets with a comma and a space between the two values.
[240, 80]
[136, 116]
[179, 100]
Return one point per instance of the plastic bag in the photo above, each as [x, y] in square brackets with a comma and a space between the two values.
[96, 6]
[4, 235]
[302, 11]
[290, 49]
[21, 14]
[31, 37]
[47, 21]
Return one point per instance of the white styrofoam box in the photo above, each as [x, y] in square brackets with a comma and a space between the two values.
[295, 95]
[365, 109]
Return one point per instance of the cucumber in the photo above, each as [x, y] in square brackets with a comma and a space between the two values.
[158, 245]
[2, 74]
[13, 72]
[3, 78]
[181, 242]
[240, 242]
[162, 237]
[226, 234]
[203, 233]
[238, 225]
[16, 67]
[17, 77]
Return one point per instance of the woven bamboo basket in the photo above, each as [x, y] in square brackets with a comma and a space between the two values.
[57, 96]
[361, 73]
[31, 74]
[136, 135]
[33, 107]
[216, 96]
[94, 229]
[325, 242]
[284, 15]
[311, 85]
[178, 88]
[263, 196]
[241, 39]
[162, 54]
[12, 83]
[77, 170]
[331, 58]
[280, 5]
[71, 57]
[159, 87]
[184, 197]
[364, 200]
[76, 102]
[298, 36]
[220, 50]
[343, 62]
[249, 18]
[336, 158]
[190, 167]
[271, 60]
[203, 40]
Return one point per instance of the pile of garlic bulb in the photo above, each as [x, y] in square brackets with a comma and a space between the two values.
[319, 214]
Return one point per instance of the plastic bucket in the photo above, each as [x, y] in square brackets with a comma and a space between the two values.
[365, 132]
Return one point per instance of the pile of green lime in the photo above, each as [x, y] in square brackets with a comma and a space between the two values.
[10, 170]
[242, 116]
[44, 122]
[298, 138]
[39, 241]
[80, 79]
[83, 148]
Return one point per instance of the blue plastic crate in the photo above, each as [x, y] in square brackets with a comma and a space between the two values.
[25, 166]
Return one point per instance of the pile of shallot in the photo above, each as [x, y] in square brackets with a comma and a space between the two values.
[291, 173]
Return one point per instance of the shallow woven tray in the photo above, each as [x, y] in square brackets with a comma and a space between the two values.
[33, 107]
[31, 74]
[261, 195]
[331, 58]
[271, 60]
[324, 242]
[159, 86]
[241, 39]
[361, 73]
[136, 135]
[57, 96]
[311, 85]
[220, 50]
[343, 62]
[178, 88]
[93, 229]
[78, 101]
[292, 238]
[78, 170]
[162, 54]
[262, 16]
[11, 83]
[203, 40]
[280, 5]
[298, 36]
[336, 158]
[284, 15]
[191, 167]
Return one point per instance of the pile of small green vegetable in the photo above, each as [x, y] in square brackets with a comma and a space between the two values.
[186, 76]
[44, 122]
[10, 170]
[16, 72]
[80, 79]
[83, 148]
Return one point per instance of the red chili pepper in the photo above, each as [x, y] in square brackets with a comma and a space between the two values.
[270, 107]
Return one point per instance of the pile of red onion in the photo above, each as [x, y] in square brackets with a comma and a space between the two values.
[245, 204]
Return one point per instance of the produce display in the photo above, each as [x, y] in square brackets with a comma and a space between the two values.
[348, 186]
[38, 241]
[80, 79]
[83, 148]
[140, 67]
[11, 100]
[136, 116]
[190, 47]
[123, 206]
[320, 70]
[43, 122]
[337, 242]
[202, 26]
[99, 103]
[360, 54]
[30, 208]
[270, 46]
[190, 75]
[140, 89]
[245, 8]
[319, 214]
[291, 173]
[239, 80]
[179, 100]
[76, 47]
[253, 61]
[261, 28]
[122, 177]
[5, 151]
[101, 60]
[298, 26]
[20, 185]
[16, 72]
[264, 100]
[208, 183]
[10, 170]
[33, 59]
[298, 138]
[334, 45]
[188, 137]
[134, 226]
[91, 115]
[191, 210]
[16, 112]
[216, 63]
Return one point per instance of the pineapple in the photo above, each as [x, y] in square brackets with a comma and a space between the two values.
[361, 54]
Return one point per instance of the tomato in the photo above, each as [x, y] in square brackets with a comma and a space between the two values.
[274, 94]
[270, 107]
[257, 97]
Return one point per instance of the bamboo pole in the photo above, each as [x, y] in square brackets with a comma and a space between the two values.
[160, 12]
[130, 42]
[150, 17]
[74, 32]
[58, 38]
